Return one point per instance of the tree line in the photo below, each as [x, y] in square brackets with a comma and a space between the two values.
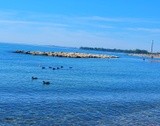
[137, 51]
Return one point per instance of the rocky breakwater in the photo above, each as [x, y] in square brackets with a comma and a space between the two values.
[66, 54]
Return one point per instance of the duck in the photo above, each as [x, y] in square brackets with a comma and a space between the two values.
[46, 82]
[34, 78]
[43, 67]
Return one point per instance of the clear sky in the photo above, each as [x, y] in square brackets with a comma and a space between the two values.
[125, 24]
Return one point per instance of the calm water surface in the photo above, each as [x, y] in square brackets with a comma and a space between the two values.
[94, 92]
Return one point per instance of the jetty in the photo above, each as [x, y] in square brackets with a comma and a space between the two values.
[65, 54]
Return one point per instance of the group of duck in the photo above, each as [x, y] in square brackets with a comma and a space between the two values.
[44, 82]
[53, 68]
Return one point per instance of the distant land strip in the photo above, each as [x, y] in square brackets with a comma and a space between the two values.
[66, 54]
[150, 55]
[136, 51]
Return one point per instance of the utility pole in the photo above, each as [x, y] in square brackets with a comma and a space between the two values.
[152, 46]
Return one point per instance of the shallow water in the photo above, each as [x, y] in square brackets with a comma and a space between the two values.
[97, 92]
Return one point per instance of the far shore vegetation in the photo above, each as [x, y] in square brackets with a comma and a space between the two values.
[136, 51]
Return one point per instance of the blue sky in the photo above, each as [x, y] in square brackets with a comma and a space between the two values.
[125, 24]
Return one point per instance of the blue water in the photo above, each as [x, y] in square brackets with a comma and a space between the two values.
[94, 92]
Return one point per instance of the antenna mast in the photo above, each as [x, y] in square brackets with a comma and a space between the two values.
[152, 46]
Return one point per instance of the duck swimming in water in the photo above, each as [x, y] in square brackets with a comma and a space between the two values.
[46, 82]
[34, 78]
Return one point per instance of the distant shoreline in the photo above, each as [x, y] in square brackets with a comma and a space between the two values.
[150, 55]
[136, 52]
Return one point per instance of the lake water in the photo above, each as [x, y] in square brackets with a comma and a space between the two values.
[94, 92]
